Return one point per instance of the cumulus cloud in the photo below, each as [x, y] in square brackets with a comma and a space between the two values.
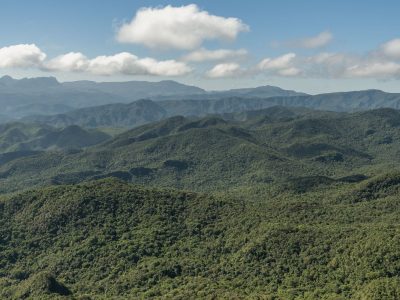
[392, 49]
[213, 55]
[73, 61]
[121, 63]
[328, 65]
[382, 62]
[225, 70]
[289, 72]
[126, 63]
[280, 62]
[374, 69]
[340, 65]
[184, 27]
[21, 56]
[282, 65]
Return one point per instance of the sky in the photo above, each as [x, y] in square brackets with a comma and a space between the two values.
[309, 45]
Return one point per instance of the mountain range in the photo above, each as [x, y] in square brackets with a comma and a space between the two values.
[145, 111]
[134, 103]
[45, 95]
[189, 194]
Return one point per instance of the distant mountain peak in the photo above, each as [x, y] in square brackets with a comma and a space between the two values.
[6, 80]
[32, 83]
[6, 77]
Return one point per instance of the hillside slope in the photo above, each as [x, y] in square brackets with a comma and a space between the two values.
[107, 239]
[34, 137]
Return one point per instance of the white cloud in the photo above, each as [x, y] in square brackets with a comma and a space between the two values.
[225, 70]
[328, 65]
[121, 63]
[318, 41]
[184, 27]
[163, 68]
[328, 58]
[278, 63]
[73, 61]
[392, 48]
[280, 66]
[21, 56]
[381, 63]
[124, 63]
[212, 55]
[283, 65]
[129, 64]
[374, 69]
[289, 72]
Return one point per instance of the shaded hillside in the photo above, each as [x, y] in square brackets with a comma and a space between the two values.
[112, 115]
[108, 239]
[146, 111]
[32, 137]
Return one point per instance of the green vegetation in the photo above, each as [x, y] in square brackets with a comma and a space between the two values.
[106, 238]
[272, 204]
[34, 137]
[271, 147]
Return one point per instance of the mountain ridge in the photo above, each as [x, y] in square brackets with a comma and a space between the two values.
[337, 102]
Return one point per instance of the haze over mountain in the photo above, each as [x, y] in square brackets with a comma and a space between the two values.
[114, 103]
[46, 95]
[144, 111]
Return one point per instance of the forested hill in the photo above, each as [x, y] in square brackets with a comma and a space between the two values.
[36, 137]
[108, 239]
[272, 146]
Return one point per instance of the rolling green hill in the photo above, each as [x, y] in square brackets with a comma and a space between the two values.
[108, 239]
[35, 137]
[213, 153]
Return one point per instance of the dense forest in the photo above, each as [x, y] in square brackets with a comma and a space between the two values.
[278, 203]
[107, 238]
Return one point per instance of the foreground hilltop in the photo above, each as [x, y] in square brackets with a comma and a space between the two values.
[108, 239]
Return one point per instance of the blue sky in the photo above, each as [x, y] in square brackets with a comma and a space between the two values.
[312, 46]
